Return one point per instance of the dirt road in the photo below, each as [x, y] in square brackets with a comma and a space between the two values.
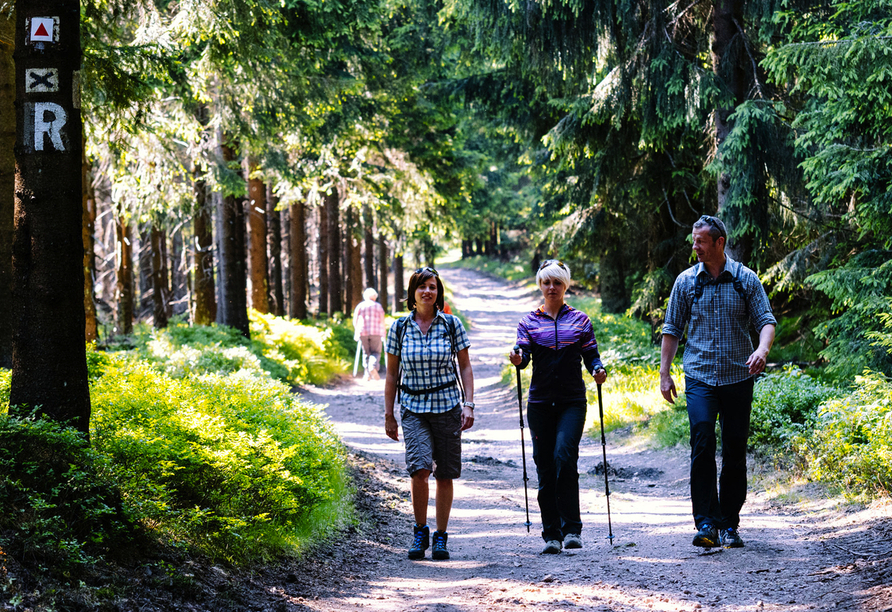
[809, 555]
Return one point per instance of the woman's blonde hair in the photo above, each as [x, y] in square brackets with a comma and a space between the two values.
[554, 270]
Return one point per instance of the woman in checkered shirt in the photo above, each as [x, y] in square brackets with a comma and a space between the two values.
[421, 352]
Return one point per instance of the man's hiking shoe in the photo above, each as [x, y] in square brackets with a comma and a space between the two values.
[707, 536]
[552, 547]
[572, 540]
[731, 539]
[420, 543]
[439, 551]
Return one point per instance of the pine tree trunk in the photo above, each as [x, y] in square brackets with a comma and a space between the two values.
[349, 280]
[232, 308]
[178, 302]
[88, 231]
[124, 275]
[356, 260]
[258, 263]
[203, 289]
[285, 221]
[398, 289]
[727, 14]
[383, 261]
[49, 367]
[368, 226]
[274, 245]
[7, 185]
[299, 268]
[335, 281]
[322, 256]
[159, 280]
[144, 257]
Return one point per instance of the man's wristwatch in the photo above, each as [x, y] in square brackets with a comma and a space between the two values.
[468, 405]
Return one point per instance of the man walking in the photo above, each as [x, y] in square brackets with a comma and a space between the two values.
[717, 299]
[368, 323]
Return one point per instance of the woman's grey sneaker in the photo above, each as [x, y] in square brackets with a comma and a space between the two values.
[552, 547]
[731, 539]
[439, 551]
[420, 542]
[707, 536]
[572, 540]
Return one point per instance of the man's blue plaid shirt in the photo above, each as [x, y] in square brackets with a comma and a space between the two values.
[718, 327]
[427, 361]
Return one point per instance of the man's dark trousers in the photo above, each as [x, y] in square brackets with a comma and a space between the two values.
[732, 405]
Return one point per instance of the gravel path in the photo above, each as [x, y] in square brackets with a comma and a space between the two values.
[807, 555]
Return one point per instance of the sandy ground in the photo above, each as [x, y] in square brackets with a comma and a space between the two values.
[811, 554]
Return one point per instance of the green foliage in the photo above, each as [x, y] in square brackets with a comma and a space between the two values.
[231, 465]
[288, 350]
[785, 406]
[859, 292]
[5, 380]
[852, 439]
[60, 509]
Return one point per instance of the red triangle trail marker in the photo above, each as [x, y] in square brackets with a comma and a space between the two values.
[42, 29]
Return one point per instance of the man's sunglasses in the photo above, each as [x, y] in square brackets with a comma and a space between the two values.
[548, 262]
[713, 222]
[427, 269]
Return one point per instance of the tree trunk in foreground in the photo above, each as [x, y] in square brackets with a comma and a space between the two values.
[49, 363]
[335, 281]
[322, 251]
[382, 274]
[203, 289]
[7, 185]
[232, 309]
[368, 232]
[159, 280]
[398, 289]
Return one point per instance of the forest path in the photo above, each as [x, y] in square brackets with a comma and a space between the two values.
[804, 556]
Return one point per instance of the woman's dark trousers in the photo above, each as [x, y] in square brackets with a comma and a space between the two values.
[556, 429]
[732, 405]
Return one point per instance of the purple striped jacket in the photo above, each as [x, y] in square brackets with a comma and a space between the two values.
[558, 348]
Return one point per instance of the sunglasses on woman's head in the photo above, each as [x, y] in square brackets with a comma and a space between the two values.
[548, 262]
[427, 269]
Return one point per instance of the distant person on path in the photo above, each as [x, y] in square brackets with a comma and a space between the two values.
[558, 339]
[422, 350]
[717, 299]
[368, 323]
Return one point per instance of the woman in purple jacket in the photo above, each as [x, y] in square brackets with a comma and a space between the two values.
[558, 338]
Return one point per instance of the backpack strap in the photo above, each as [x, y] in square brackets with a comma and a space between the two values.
[402, 323]
[700, 283]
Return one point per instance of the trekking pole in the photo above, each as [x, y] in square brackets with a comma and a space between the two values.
[523, 452]
[604, 453]
[356, 359]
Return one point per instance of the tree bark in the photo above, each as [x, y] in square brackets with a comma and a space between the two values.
[258, 262]
[159, 280]
[383, 261]
[7, 184]
[368, 226]
[49, 364]
[144, 257]
[232, 308]
[349, 280]
[274, 245]
[355, 259]
[727, 14]
[203, 289]
[88, 231]
[285, 217]
[299, 268]
[398, 289]
[322, 252]
[335, 279]
[178, 301]
[124, 276]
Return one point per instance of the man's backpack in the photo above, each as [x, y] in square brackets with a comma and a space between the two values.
[700, 283]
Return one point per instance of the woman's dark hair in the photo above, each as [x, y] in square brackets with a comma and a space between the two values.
[420, 276]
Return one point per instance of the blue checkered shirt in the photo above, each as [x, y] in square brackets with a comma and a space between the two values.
[426, 361]
[718, 328]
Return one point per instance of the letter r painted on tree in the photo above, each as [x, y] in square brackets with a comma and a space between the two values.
[44, 123]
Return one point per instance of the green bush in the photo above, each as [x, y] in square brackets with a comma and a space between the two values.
[785, 405]
[232, 465]
[852, 441]
[59, 510]
[5, 381]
